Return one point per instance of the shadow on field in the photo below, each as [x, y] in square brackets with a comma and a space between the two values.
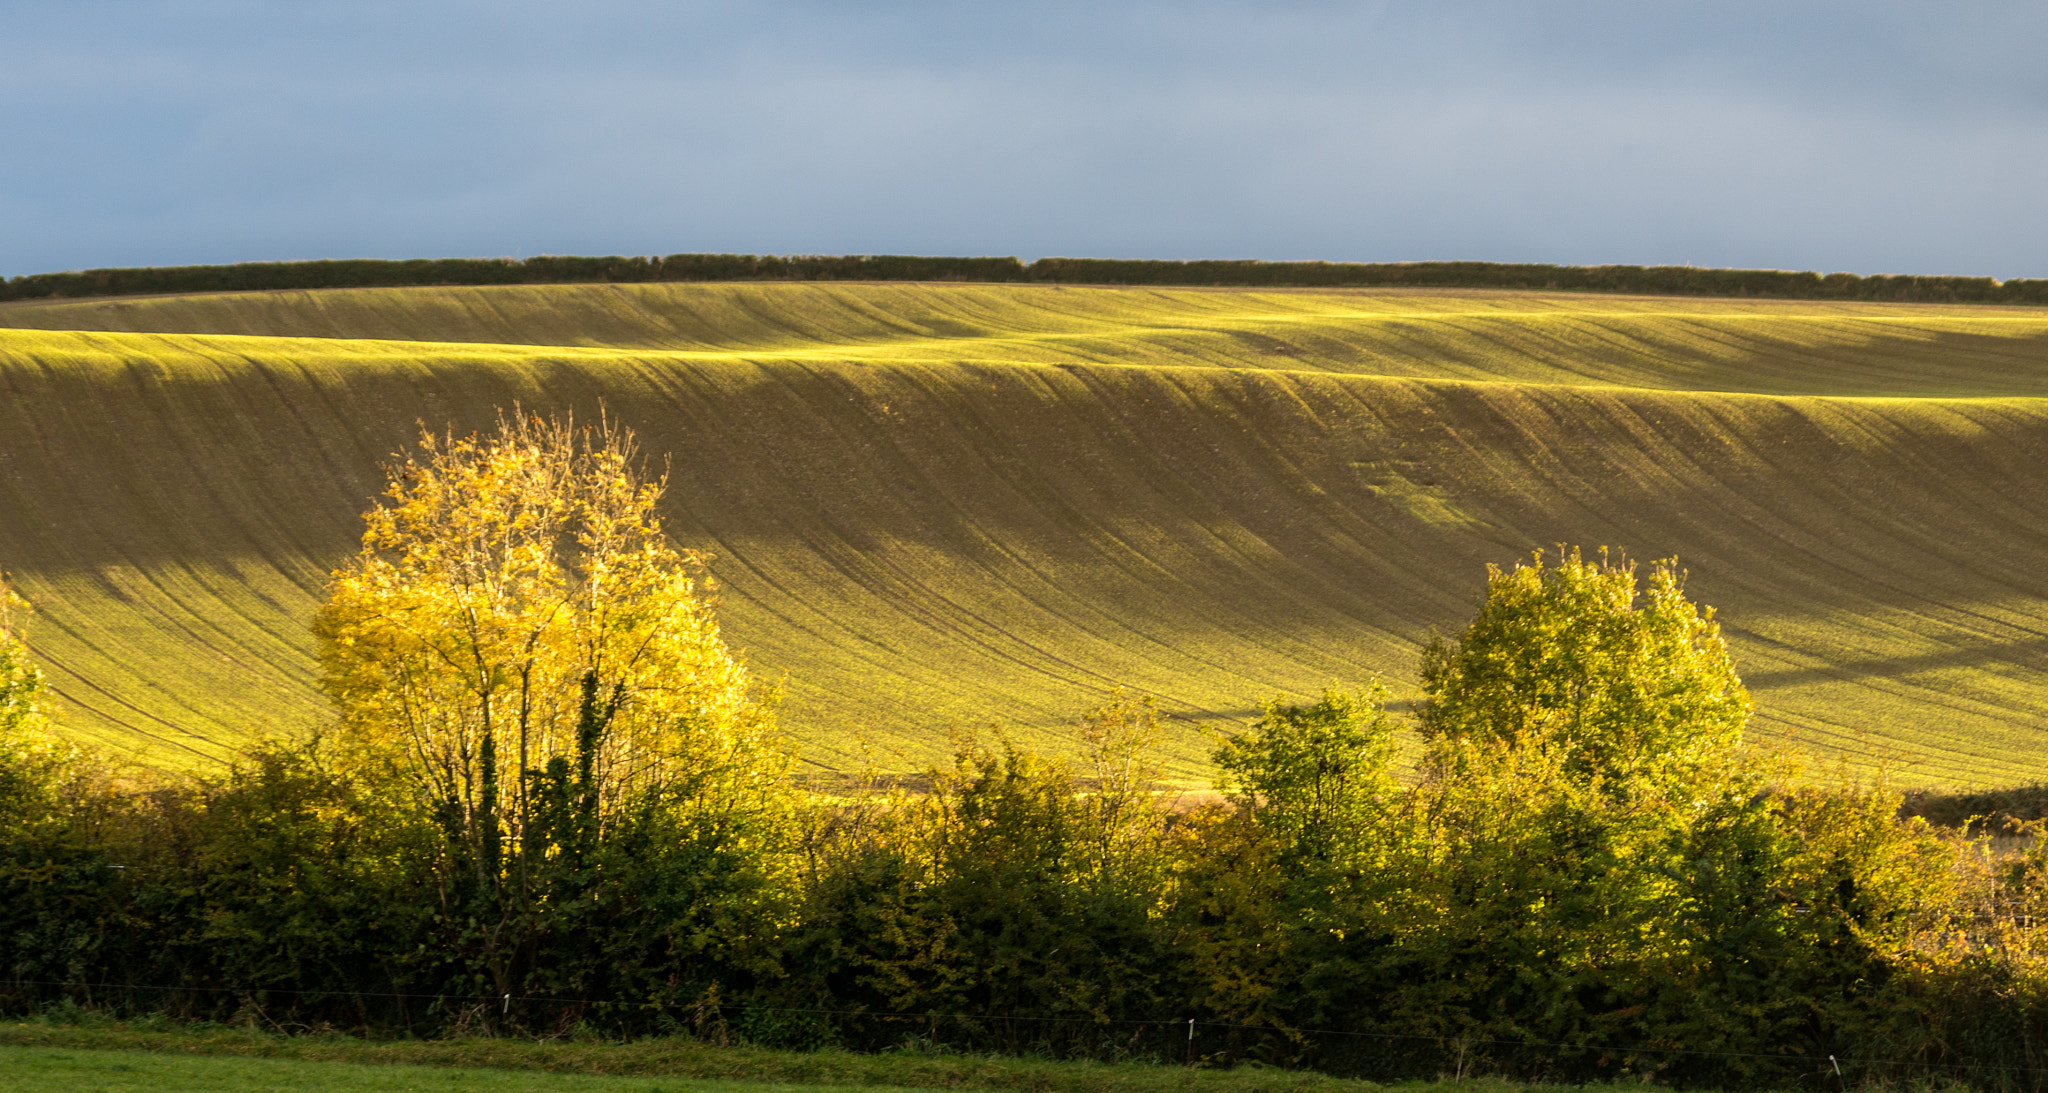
[2011, 652]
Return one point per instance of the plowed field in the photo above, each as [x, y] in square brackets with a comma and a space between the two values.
[939, 504]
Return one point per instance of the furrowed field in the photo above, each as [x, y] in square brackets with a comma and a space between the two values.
[935, 505]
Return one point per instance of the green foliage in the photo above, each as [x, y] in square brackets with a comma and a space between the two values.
[21, 682]
[1289, 888]
[1592, 878]
[1005, 890]
[1638, 694]
[35, 764]
[1559, 911]
[280, 872]
[543, 269]
[1315, 777]
[1589, 807]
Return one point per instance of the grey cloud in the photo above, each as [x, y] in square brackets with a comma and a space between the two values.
[1868, 137]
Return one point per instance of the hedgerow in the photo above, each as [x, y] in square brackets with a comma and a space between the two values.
[566, 269]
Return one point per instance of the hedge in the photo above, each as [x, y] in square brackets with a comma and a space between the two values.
[549, 269]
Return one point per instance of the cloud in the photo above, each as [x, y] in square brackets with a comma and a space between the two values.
[1867, 137]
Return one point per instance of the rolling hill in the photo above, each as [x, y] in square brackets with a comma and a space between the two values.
[941, 504]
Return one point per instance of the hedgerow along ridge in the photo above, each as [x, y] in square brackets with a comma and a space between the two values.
[615, 269]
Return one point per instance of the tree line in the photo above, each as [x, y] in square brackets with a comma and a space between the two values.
[552, 801]
[561, 269]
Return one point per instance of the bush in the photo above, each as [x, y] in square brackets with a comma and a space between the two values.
[1591, 878]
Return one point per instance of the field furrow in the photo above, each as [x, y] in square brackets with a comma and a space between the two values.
[935, 505]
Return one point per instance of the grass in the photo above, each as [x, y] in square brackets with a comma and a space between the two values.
[936, 505]
[37, 1057]
[56, 1070]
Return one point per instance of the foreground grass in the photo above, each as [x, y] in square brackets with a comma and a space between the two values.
[68, 1070]
[36, 1057]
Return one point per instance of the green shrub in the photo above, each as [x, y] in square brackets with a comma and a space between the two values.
[1592, 878]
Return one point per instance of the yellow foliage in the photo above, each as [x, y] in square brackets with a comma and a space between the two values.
[25, 712]
[514, 590]
[35, 763]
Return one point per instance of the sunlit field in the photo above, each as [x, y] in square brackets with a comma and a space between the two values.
[944, 505]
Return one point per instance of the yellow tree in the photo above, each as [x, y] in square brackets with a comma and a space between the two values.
[35, 764]
[520, 648]
[23, 711]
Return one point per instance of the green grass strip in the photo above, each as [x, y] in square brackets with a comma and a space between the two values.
[69, 1070]
[36, 1057]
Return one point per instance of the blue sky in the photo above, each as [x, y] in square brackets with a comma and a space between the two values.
[1871, 137]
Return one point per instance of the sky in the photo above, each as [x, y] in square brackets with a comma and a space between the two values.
[1871, 137]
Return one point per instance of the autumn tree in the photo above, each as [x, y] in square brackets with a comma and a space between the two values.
[520, 653]
[1632, 683]
[22, 705]
[34, 761]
